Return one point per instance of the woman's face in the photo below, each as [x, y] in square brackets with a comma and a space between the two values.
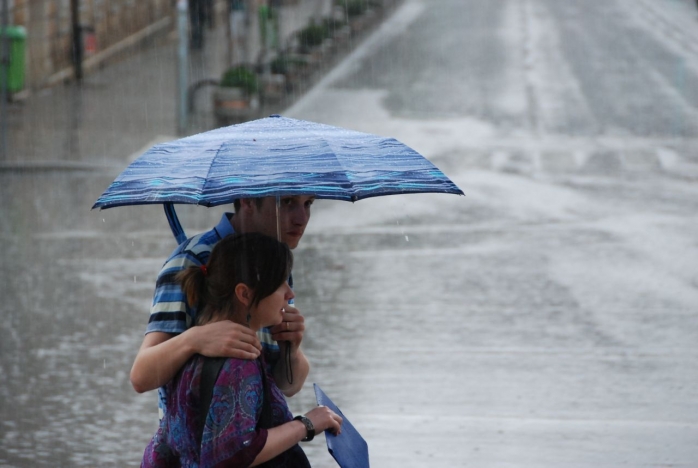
[269, 311]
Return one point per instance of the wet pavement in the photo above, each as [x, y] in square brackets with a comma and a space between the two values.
[546, 319]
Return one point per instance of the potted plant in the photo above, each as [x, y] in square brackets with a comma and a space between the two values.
[353, 8]
[235, 98]
[338, 26]
[312, 36]
[356, 12]
[295, 69]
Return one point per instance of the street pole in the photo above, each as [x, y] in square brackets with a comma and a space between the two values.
[229, 35]
[268, 29]
[182, 66]
[5, 64]
[77, 39]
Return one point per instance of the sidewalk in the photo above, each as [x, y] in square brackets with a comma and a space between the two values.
[129, 105]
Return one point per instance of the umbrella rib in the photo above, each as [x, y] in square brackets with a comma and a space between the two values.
[344, 172]
[208, 173]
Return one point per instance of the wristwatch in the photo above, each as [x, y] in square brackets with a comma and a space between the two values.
[309, 429]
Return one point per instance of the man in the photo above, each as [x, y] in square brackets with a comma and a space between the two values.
[171, 340]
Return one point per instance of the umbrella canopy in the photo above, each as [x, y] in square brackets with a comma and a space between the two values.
[271, 157]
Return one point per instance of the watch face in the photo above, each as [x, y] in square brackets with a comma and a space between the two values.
[309, 429]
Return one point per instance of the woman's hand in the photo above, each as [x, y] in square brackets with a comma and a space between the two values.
[324, 419]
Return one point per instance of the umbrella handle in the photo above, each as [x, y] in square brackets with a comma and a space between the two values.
[175, 225]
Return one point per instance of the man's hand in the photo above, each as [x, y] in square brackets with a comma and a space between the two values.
[226, 339]
[163, 354]
[291, 329]
[290, 333]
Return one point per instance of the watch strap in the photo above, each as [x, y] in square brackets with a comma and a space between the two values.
[309, 428]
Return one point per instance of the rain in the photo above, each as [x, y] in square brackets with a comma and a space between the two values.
[546, 318]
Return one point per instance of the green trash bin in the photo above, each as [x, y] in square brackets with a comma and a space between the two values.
[14, 71]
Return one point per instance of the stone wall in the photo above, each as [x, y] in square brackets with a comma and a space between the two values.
[113, 26]
[108, 23]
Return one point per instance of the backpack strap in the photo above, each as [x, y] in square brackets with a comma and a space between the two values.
[209, 374]
[266, 417]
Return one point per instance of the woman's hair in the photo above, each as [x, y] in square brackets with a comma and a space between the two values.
[258, 261]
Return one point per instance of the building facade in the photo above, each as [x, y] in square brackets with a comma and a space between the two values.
[104, 23]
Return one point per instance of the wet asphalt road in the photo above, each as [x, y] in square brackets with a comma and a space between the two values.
[546, 319]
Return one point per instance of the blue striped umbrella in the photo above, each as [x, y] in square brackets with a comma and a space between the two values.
[274, 156]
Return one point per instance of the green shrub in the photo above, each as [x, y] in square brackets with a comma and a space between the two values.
[354, 7]
[240, 77]
[312, 35]
[281, 64]
[332, 25]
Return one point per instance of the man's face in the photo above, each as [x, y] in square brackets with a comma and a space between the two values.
[294, 214]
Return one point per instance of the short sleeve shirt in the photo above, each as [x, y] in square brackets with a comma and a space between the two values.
[170, 312]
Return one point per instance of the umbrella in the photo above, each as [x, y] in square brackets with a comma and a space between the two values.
[272, 156]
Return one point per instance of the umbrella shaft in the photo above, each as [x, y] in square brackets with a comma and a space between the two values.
[278, 227]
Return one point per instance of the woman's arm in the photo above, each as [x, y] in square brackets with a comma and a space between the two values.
[280, 439]
[285, 436]
[161, 355]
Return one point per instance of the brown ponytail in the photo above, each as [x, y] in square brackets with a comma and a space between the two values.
[193, 282]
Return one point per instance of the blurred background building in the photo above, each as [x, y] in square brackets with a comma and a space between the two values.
[101, 29]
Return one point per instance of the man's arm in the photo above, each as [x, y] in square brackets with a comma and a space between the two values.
[300, 368]
[162, 354]
[290, 333]
[168, 343]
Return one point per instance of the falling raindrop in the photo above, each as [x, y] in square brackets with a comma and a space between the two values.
[134, 279]
[402, 231]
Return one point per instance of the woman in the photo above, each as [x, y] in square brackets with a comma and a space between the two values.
[248, 422]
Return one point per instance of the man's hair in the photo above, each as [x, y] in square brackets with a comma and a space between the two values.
[258, 261]
[258, 201]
